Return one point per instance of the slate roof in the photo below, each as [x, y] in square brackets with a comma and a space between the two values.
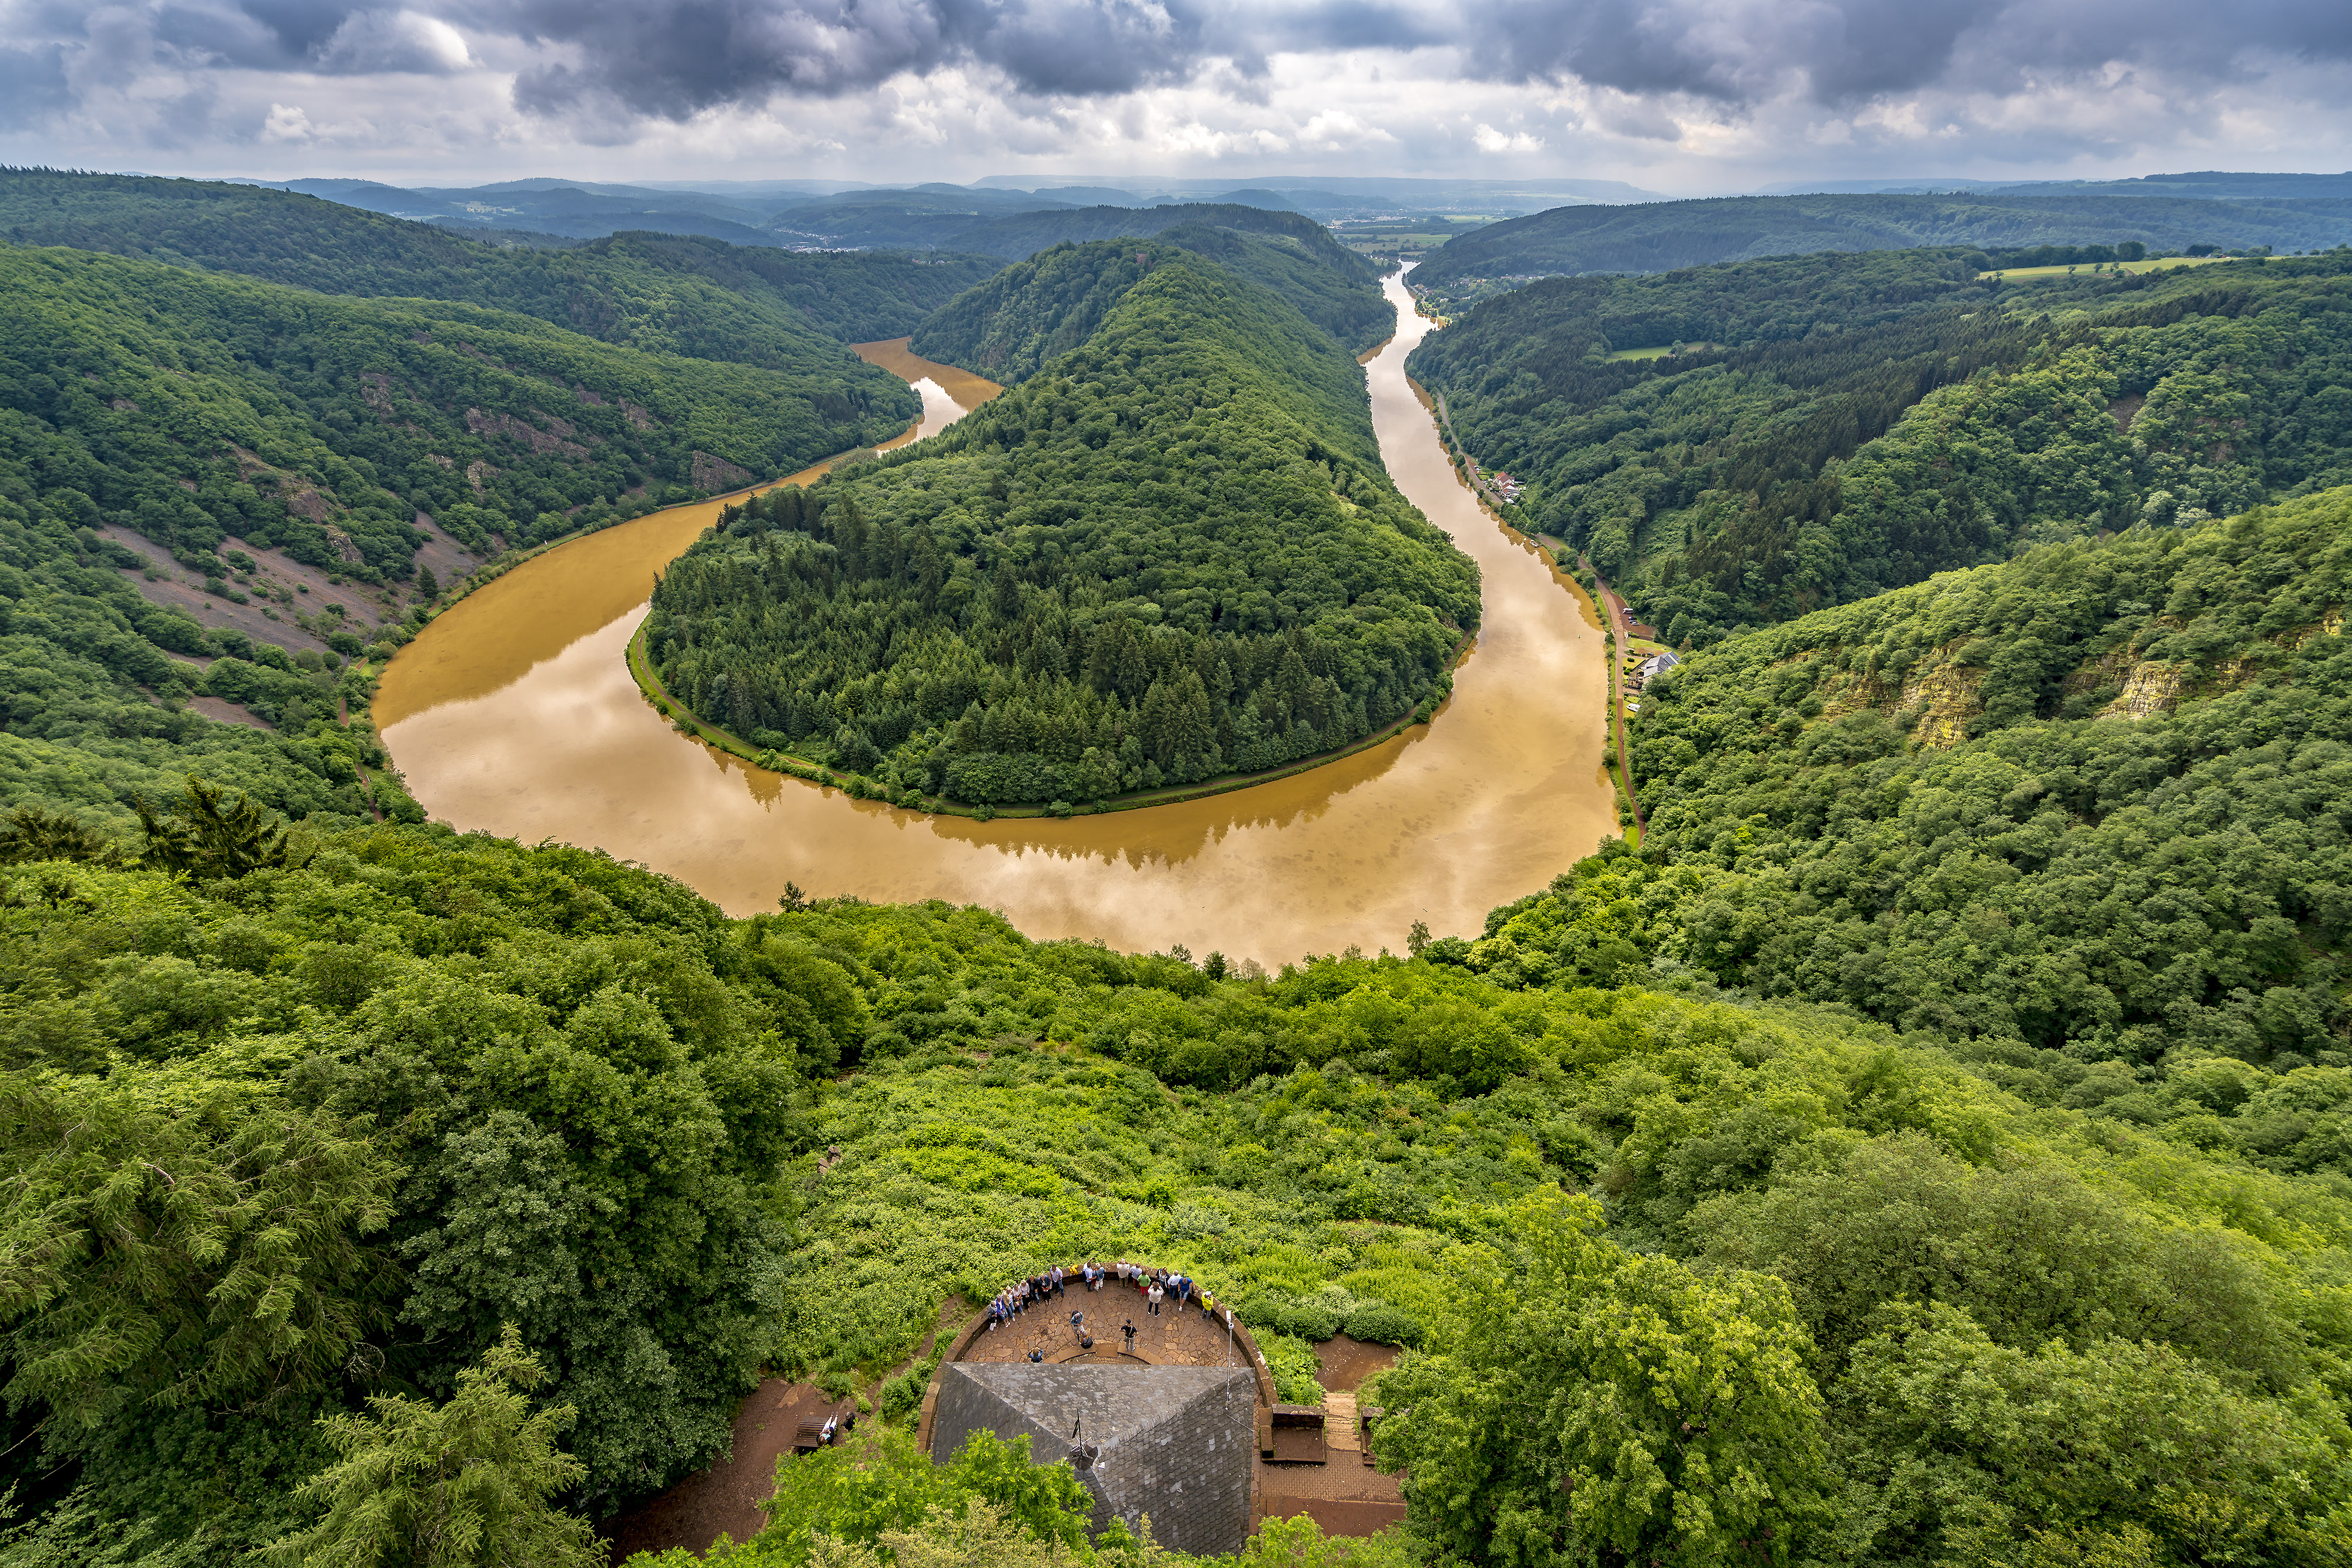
[1175, 1443]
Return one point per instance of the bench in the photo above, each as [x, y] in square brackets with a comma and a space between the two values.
[1298, 1436]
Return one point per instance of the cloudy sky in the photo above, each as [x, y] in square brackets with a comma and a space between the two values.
[1691, 97]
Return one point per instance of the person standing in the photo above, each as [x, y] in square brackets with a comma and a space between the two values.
[1128, 1330]
[1153, 1295]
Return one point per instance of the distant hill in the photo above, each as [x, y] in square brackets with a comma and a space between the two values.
[1045, 306]
[757, 305]
[1273, 201]
[2209, 185]
[1029, 233]
[1660, 237]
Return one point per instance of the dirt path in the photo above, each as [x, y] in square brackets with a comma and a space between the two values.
[725, 1499]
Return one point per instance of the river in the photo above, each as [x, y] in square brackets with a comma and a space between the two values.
[514, 714]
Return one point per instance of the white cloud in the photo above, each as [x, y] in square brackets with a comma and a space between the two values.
[1336, 129]
[287, 122]
[401, 41]
[1490, 139]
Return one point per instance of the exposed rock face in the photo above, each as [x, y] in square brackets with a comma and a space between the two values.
[716, 473]
[1175, 1443]
[487, 425]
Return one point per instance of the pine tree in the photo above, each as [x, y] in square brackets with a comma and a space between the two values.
[468, 1482]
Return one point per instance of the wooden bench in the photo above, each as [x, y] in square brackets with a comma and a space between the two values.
[1365, 1416]
[1298, 1437]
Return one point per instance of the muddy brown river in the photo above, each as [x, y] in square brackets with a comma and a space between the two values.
[514, 714]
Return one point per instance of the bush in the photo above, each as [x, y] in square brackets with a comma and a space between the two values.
[1308, 1321]
[1379, 1325]
[1294, 1368]
[902, 1397]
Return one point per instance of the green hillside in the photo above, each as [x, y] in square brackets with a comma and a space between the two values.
[1659, 236]
[221, 419]
[659, 292]
[1025, 234]
[1173, 553]
[1040, 308]
[1836, 426]
[2078, 808]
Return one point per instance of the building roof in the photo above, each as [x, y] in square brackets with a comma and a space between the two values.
[1173, 1443]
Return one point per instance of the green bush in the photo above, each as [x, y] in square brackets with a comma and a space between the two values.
[1379, 1325]
[1308, 1321]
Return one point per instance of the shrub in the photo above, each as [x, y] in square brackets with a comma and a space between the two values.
[1380, 1324]
[1308, 1321]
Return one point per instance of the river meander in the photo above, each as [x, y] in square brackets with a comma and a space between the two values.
[514, 714]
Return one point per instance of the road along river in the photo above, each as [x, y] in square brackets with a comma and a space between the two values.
[514, 714]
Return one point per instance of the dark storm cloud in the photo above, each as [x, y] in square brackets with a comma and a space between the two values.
[32, 85]
[676, 58]
[1846, 50]
[337, 39]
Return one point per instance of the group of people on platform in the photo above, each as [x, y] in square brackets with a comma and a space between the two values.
[1156, 1286]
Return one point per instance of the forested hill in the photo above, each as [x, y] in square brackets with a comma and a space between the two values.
[668, 293]
[289, 449]
[1836, 425]
[1025, 234]
[1658, 237]
[1037, 309]
[1173, 553]
[2092, 801]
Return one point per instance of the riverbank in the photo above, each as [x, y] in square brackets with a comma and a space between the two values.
[1609, 608]
[518, 716]
[687, 722]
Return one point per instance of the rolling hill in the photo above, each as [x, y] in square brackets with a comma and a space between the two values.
[1660, 237]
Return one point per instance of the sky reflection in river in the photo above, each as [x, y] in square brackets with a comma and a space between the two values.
[514, 714]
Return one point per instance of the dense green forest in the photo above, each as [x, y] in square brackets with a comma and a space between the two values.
[1835, 425]
[1658, 237]
[659, 292]
[1936, 1308]
[215, 416]
[1930, 1147]
[1173, 553]
[1038, 309]
[2078, 808]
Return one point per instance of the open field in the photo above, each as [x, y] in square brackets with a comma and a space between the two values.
[1661, 351]
[2154, 264]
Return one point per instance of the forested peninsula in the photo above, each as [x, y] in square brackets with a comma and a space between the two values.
[1735, 445]
[1170, 554]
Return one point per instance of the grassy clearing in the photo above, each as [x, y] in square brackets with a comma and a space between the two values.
[2154, 264]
